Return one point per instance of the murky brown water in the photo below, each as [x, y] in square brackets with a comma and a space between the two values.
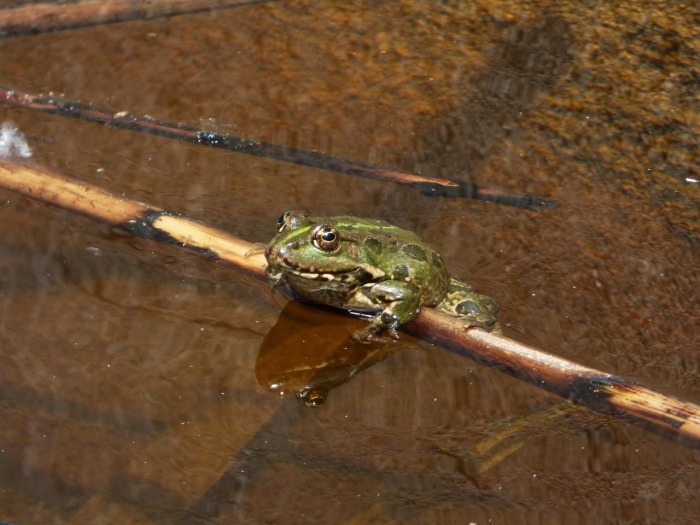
[128, 383]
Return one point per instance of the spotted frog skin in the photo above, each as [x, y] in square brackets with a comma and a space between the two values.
[368, 264]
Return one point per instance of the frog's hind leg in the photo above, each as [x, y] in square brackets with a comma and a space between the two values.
[475, 309]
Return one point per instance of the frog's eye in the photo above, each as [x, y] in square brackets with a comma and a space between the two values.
[282, 220]
[326, 238]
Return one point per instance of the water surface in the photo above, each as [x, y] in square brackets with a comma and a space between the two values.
[128, 382]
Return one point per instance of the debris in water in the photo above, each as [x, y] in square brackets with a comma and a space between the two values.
[12, 142]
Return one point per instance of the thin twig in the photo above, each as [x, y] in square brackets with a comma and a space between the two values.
[655, 411]
[41, 17]
[426, 185]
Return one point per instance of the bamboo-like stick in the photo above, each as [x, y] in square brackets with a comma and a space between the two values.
[431, 186]
[663, 414]
[140, 219]
[41, 17]
[658, 412]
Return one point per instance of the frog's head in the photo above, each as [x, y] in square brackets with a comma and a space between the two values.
[313, 248]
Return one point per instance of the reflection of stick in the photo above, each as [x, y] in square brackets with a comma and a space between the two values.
[44, 16]
[655, 411]
[426, 185]
[520, 425]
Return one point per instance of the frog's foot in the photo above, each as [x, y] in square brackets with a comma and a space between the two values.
[485, 320]
[496, 329]
[490, 325]
[472, 308]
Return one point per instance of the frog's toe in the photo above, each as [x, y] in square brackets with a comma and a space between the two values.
[489, 325]
[496, 329]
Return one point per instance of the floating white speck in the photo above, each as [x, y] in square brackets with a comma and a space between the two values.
[12, 142]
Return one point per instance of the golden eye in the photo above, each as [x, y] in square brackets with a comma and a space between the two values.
[326, 238]
[282, 220]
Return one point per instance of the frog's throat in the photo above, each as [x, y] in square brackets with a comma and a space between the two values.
[373, 272]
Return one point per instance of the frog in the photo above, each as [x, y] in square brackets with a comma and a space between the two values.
[370, 265]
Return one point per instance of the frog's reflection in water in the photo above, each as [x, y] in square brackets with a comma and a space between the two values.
[310, 351]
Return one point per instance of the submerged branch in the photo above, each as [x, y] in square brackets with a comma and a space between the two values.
[41, 17]
[429, 186]
[655, 411]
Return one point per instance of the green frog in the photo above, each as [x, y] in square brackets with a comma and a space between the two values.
[371, 265]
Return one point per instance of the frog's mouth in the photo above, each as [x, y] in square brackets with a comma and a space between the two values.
[342, 275]
[357, 272]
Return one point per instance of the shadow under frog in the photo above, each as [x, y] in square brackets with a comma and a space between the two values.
[310, 351]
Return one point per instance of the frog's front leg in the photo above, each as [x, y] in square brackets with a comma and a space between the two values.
[401, 303]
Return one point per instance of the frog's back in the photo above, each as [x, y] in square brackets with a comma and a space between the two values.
[400, 254]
